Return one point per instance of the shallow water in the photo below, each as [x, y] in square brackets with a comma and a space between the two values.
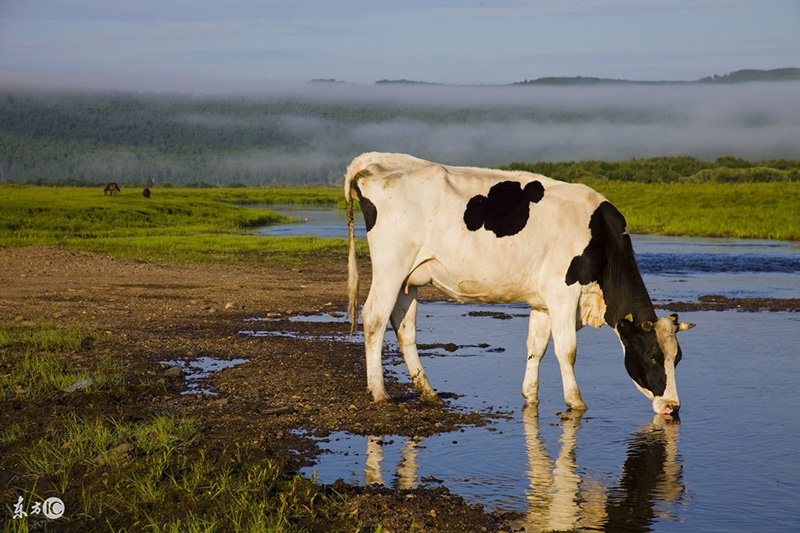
[320, 221]
[731, 464]
[197, 371]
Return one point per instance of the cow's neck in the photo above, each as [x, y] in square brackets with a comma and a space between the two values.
[623, 288]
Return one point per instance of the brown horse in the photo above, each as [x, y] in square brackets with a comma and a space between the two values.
[112, 189]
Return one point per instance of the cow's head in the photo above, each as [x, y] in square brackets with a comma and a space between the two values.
[651, 355]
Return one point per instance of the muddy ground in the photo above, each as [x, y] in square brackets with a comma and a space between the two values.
[148, 313]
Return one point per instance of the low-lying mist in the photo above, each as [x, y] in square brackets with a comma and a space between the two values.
[497, 125]
[307, 133]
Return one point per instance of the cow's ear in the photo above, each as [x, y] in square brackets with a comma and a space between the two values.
[681, 326]
[625, 326]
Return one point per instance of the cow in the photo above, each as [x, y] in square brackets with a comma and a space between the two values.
[146, 192]
[492, 236]
[112, 189]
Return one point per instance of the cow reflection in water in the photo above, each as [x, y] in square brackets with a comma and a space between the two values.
[560, 496]
[406, 472]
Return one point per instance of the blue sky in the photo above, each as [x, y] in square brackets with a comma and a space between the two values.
[245, 44]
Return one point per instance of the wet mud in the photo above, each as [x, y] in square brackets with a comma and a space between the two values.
[276, 397]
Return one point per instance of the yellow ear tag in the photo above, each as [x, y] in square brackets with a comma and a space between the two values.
[629, 317]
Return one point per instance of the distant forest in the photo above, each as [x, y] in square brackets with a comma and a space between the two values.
[739, 76]
[201, 140]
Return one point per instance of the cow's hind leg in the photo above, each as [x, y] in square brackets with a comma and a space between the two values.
[565, 343]
[538, 337]
[404, 322]
[375, 313]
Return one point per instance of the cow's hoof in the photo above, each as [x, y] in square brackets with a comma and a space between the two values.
[380, 397]
[431, 398]
[533, 401]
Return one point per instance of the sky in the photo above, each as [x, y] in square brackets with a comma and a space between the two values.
[218, 46]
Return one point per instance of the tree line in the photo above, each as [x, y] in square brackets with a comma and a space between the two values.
[726, 169]
[156, 139]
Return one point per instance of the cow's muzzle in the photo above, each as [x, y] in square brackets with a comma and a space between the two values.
[666, 407]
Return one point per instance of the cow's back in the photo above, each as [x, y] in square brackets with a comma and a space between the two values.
[424, 209]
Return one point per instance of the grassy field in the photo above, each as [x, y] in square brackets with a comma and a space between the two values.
[175, 225]
[211, 225]
[746, 210]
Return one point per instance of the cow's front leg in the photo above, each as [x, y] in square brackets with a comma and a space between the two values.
[565, 343]
[538, 337]
[404, 322]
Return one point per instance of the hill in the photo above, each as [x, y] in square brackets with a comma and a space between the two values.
[739, 76]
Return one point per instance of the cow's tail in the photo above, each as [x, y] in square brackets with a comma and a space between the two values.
[352, 263]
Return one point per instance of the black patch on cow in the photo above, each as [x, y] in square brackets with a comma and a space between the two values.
[505, 210]
[367, 208]
[608, 260]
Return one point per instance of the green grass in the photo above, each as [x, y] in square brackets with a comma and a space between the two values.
[212, 226]
[51, 215]
[35, 363]
[746, 210]
[42, 336]
[165, 481]
[174, 225]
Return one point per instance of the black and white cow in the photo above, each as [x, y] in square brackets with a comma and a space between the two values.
[482, 235]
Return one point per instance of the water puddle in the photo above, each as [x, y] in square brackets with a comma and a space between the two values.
[197, 371]
[564, 471]
[731, 463]
[340, 331]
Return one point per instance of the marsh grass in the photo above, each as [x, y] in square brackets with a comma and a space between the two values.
[35, 361]
[165, 481]
[741, 210]
[173, 225]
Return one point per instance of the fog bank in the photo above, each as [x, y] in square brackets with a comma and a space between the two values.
[497, 125]
[309, 132]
